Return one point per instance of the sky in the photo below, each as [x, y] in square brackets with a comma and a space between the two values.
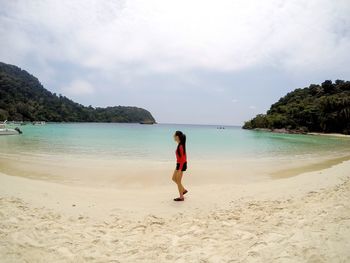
[186, 61]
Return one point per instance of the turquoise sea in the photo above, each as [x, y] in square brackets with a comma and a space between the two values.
[135, 141]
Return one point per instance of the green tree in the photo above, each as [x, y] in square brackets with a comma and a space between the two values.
[22, 97]
[319, 108]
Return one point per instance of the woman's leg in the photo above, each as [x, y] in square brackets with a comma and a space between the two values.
[174, 177]
[180, 187]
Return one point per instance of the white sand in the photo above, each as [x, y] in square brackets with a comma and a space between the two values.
[305, 218]
[329, 134]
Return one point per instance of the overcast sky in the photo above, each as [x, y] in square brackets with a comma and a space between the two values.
[187, 61]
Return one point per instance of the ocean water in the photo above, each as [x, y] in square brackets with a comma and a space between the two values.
[155, 142]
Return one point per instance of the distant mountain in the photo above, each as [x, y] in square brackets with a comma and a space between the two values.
[23, 98]
[318, 108]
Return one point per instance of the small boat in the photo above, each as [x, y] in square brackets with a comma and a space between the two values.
[7, 131]
[147, 122]
[38, 123]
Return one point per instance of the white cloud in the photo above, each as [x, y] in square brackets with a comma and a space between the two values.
[160, 35]
[79, 87]
[234, 100]
[252, 107]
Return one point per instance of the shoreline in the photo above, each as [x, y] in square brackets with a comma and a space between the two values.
[312, 167]
[288, 131]
[340, 135]
[300, 218]
[68, 194]
[101, 173]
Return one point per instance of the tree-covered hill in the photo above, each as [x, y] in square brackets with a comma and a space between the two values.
[318, 108]
[23, 98]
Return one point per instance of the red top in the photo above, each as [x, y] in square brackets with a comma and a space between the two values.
[181, 159]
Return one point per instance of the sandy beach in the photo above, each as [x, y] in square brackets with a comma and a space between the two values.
[174, 131]
[304, 218]
[340, 135]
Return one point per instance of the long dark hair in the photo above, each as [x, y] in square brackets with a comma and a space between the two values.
[182, 138]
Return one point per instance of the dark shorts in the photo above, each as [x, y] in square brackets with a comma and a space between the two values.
[184, 167]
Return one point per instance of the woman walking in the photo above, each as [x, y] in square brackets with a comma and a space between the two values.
[181, 163]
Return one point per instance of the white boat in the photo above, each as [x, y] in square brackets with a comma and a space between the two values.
[38, 123]
[7, 131]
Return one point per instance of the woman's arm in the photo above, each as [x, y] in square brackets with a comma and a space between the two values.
[182, 157]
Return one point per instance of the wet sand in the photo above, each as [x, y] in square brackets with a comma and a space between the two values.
[121, 174]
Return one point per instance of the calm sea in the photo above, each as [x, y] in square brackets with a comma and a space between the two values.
[155, 142]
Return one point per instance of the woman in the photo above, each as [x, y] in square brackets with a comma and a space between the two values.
[181, 163]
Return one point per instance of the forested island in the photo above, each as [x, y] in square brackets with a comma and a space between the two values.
[23, 98]
[318, 108]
